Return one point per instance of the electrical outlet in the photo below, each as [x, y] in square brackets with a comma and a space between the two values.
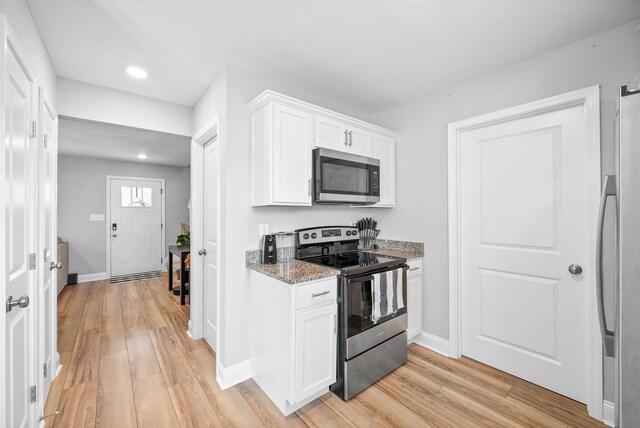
[96, 217]
[264, 230]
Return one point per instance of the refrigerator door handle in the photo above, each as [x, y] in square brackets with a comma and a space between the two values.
[608, 336]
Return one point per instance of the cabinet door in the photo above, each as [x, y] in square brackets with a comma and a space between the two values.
[292, 143]
[414, 298]
[360, 141]
[315, 350]
[384, 148]
[331, 134]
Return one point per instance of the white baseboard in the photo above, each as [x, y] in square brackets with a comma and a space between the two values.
[608, 413]
[88, 277]
[233, 375]
[58, 367]
[190, 329]
[434, 343]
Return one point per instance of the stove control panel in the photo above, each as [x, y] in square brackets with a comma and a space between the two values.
[330, 234]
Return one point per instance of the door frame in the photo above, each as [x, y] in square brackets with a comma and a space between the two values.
[46, 108]
[108, 217]
[589, 98]
[205, 134]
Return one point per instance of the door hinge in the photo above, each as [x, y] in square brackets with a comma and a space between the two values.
[45, 369]
[46, 137]
[32, 261]
[161, 225]
[34, 129]
[161, 191]
[33, 397]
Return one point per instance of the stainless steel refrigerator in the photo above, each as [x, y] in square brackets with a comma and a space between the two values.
[622, 340]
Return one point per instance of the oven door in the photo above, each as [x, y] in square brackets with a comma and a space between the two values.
[344, 178]
[361, 330]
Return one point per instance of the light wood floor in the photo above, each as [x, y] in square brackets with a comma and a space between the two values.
[128, 362]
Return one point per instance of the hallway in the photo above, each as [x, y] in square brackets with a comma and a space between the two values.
[127, 362]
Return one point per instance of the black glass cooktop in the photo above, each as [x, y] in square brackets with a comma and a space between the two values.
[356, 260]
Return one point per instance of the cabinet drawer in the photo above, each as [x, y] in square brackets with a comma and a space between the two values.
[316, 294]
[415, 267]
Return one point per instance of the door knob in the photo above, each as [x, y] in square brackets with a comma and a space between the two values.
[202, 252]
[22, 302]
[575, 269]
[53, 265]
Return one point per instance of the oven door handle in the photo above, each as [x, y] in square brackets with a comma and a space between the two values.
[360, 279]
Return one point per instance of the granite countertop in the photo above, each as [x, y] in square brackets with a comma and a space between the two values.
[294, 271]
[391, 252]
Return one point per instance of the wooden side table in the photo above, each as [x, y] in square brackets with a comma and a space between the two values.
[181, 251]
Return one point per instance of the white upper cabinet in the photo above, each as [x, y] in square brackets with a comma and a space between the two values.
[281, 156]
[384, 148]
[284, 133]
[338, 135]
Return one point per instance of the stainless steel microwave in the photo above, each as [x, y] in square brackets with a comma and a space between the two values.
[345, 178]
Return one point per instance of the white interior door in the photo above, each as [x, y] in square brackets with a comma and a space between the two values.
[19, 241]
[135, 226]
[211, 187]
[48, 159]
[524, 221]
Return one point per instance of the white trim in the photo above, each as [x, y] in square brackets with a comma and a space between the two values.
[163, 196]
[608, 413]
[196, 323]
[88, 277]
[58, 367]
[590, 99]
[233, 375]
[434, 343]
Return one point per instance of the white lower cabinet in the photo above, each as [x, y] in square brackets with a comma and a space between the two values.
[293, 339]
[315, 350]
[414, 299]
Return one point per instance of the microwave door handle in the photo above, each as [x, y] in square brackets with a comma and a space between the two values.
[608, 337]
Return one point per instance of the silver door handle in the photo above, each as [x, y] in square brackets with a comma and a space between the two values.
[202, 252]
[608, 336]
[53, 265]
[575, 269]
[346, 138]
[22, 302]
[350, 139]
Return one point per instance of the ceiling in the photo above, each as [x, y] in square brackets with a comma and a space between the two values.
[364, 54]
[86, 138]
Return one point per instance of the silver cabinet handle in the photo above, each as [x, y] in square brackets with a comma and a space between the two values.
[608, 337]
[412, 269]
[350, 139]
[22, 302]
[320, 294]
[346, 138]
[202, 252]
[53, 265]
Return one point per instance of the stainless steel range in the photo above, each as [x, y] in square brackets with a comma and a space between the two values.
[372, 312]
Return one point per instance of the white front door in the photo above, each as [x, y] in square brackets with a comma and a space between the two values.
[135, 226]
[18, 267]
[524, 221]
[211, 187]
[48, 160]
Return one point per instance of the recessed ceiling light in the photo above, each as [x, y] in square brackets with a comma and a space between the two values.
[137, 72]
[142, 156]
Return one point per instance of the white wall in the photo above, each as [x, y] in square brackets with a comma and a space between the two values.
[242, 220]
[609, 59]
[82, 191]
[98, 103]
[22, 23]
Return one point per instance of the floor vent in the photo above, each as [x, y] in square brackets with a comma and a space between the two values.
[135, 276]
